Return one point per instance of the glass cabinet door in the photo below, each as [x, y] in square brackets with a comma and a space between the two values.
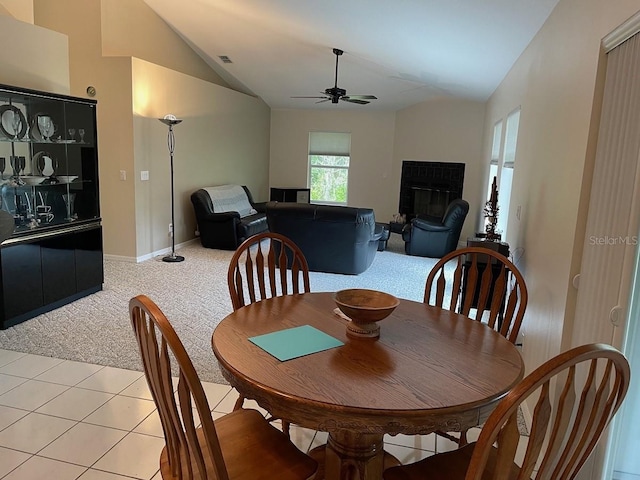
[48, 159]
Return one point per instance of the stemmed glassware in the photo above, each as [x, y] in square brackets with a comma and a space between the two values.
[15, 165]
[69, 199]
[81, 133]
[16, 124]
[46, 127]
[72, 134]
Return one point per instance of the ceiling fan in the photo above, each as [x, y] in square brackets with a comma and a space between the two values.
[336, 94]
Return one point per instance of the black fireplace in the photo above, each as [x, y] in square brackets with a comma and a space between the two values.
[427, 188]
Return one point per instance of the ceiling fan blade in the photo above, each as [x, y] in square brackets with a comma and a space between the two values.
[361, 97]
[336, 94]
[355, 100]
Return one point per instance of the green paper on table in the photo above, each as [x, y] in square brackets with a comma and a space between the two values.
[295, 342]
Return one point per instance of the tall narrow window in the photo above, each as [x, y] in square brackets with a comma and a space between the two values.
[506, 174]
[495, 155]
[329, 158]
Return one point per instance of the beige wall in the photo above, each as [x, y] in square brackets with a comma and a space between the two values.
[130, 28]
[19, 9]
[80, 20]
[554, 82]
[224, 138]
[444, 130]
[34, 57]
[371, 179]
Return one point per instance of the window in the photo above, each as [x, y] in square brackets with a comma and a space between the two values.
[495, 156]
[506, 174]
[329, 158]
[503, 158]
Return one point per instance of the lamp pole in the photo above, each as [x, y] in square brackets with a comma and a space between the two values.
[171, 120]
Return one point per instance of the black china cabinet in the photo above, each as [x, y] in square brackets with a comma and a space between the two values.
[49, 185]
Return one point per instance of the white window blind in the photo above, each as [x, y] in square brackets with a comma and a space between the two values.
[511, 139]
[497, 140]
[329, 143]
[495, 155]
[506, 173]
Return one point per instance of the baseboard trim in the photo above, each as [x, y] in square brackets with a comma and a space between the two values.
[526, 415]
[148, 256]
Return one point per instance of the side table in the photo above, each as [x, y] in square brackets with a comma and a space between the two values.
[384, 238]
[500, 247]
[396, 227]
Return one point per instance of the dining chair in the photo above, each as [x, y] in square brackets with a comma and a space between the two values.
[574, 397]
[481, 284]
[241, 445]
[265, 266]
[482, 280]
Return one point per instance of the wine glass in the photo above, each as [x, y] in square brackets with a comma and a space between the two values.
[44, 125]
[16, 124]
[81, 133]
[69, 199]
[15, 164]
[72, 134]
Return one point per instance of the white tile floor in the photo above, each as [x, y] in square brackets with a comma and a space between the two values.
[68, 420]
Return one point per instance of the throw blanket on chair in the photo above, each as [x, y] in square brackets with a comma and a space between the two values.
[230, 198]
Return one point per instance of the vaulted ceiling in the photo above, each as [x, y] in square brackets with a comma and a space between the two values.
[404, 51]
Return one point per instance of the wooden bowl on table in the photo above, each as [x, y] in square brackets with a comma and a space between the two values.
[365, 307]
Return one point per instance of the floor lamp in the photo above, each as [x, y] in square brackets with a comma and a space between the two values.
[171, 120]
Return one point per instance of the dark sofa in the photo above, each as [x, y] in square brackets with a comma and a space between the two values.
[334, 239]
[227, 230]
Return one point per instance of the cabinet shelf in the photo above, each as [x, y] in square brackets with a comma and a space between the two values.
[54, 255]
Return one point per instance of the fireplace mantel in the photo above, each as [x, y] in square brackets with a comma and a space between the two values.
[426, 188]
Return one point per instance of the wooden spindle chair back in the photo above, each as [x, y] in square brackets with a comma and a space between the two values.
[500, 287]
[183, 456]
[576, 395]
[573, 398]
[265, 266]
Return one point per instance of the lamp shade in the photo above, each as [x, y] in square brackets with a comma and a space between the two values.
[170, 119]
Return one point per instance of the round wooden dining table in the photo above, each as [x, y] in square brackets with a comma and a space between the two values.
[430, 369]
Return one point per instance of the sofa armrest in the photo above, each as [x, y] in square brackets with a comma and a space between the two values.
[377, 233]
[260, 207]
[429, 226]
[219, 217]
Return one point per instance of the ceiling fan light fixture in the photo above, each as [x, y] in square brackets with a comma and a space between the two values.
[335, 94]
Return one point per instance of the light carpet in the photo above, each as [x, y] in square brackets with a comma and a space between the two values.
[194, 296]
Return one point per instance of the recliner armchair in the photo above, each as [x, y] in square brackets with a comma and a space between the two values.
[430, 239]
